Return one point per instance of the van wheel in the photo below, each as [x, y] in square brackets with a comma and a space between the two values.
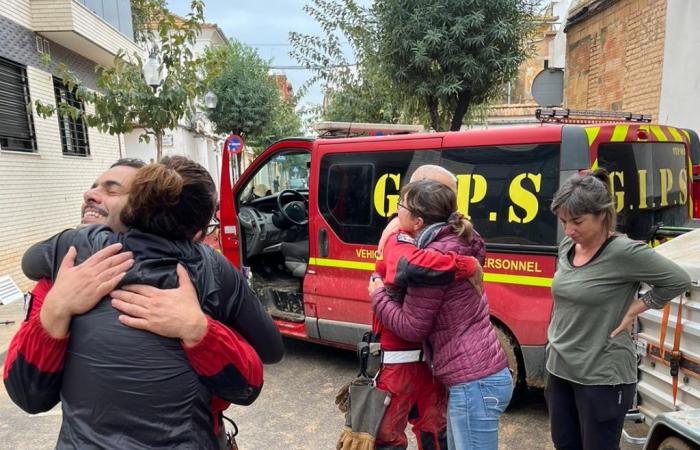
[515, 364]
[674, 443]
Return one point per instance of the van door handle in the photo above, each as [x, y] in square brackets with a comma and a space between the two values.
[323, 243]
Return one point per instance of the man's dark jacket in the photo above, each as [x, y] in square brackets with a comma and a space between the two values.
[131, 389]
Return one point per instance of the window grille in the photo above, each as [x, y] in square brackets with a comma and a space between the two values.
[74, 137]
[16, 123]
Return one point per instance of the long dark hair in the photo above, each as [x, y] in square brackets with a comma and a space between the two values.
[175, 199]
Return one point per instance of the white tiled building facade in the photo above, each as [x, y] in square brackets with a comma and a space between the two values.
[44, 171]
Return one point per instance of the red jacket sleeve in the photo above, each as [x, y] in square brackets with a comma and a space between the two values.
[227, 364]
[407, 265]
[34, 366]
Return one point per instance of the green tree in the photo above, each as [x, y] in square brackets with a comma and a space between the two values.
[247, 93]
[361, 103]
[451, 54]
[285, 122]
[250, 103]
[125, 101]
[145, 13]
[355, 88]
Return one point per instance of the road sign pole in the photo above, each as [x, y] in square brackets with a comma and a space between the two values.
[234, 145]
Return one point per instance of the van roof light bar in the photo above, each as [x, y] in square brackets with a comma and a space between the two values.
[565, 115]
[349, 129]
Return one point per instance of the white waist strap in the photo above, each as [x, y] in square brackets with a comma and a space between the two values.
[399, 357]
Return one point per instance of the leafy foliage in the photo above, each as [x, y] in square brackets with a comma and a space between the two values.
[422, 61]
[342, 22]
[356, 90]
[285, 123]
[144, 13]
[250, 103]
[450, 54]
[361, 103]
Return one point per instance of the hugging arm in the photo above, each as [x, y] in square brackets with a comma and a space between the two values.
[33, 369]
[413, 318]
[229, 358]
[43, 259]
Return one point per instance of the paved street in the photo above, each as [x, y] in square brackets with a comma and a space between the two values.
[295, 410]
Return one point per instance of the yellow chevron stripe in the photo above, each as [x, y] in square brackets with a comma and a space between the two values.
[491, 277]
[675, 134]
[620, 133]
[594, 166]
[687, 136]
[592, 133]
[660, 136]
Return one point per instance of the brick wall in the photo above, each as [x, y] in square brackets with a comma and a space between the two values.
[41, 193]
[615, 58]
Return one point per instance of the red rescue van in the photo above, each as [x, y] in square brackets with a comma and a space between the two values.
[304, 219]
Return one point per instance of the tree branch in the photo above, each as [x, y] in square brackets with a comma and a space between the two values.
[432, 103]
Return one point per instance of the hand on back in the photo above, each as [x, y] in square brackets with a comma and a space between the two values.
[77, 289]
[174, 313]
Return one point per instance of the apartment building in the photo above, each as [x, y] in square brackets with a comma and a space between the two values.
[47, 163]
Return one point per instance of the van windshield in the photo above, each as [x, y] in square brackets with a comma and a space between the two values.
[282, 171]
[649, 182]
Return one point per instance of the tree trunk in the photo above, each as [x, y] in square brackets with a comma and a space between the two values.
[159, 145]
[463, 102]
[433, 111]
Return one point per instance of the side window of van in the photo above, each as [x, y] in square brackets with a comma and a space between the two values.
[507, 191]
[649, 181]
[346, 202]
[358, 191]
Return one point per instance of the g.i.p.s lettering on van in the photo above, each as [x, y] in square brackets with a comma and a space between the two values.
[305, 218]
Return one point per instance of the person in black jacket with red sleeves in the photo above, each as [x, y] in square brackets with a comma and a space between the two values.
[120, 385]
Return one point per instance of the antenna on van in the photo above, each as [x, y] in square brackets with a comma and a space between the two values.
[574, 116]
[351, 129]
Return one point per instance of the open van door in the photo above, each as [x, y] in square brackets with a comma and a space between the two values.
[228, 218]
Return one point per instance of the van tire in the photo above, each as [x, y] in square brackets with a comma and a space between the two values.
[515, 361]
[674, 443]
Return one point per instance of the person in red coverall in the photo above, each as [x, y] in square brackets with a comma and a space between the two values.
[33, 370]
[417, 397]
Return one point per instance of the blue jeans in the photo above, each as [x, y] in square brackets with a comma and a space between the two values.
[474, 409]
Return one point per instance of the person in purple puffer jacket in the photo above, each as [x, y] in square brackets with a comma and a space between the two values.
[451, 320]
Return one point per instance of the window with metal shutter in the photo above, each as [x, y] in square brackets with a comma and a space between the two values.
[74, 137]
[16, 124]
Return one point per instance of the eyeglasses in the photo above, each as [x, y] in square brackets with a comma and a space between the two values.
[212, 227]
[411, 210]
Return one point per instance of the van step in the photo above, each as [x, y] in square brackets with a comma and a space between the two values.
[283, 304]
[283, 315]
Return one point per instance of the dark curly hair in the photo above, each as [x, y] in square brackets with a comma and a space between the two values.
[175, 199]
